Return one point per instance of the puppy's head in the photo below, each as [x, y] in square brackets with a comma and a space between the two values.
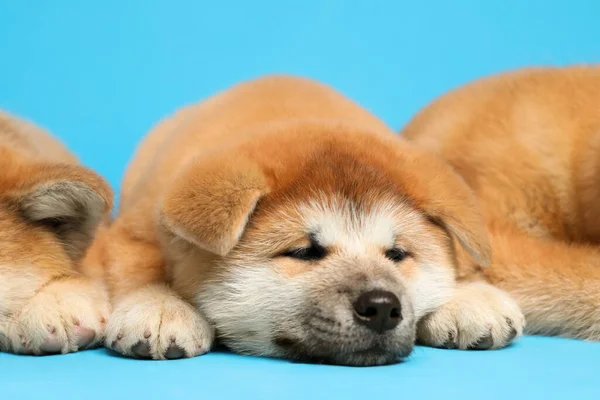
[328, 251]
[48, 212]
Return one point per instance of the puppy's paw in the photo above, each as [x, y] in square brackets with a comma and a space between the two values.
[155, 323]
[479, 316]
[64, 316]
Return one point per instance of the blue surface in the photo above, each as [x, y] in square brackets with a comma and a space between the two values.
[99, 74]
[534, 368]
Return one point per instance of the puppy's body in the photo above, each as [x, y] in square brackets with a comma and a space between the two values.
[49, 208]
[294, 224]
[528, 144]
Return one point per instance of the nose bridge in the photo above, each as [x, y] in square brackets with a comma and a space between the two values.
[366, 272]
[374, 265]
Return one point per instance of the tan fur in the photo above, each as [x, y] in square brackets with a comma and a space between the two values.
[49, 209]
[528, 144]
[219, 191]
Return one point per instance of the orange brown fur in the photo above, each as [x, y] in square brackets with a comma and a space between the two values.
[49, 207]
[223, 188]
[527, 143]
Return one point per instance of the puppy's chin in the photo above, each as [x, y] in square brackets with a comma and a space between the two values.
[366, 358]
[341, 342]
[315, 352]
[320, 353]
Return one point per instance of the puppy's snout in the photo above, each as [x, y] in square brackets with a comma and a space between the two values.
[378, 310]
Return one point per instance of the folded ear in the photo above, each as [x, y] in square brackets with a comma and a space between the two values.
[446, 198]
[71, 200]
[209, 204]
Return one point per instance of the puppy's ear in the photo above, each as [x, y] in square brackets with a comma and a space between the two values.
[68, 199]
[446, 198]
[210, 203]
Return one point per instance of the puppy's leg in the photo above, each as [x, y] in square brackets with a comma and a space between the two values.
[49, 312]
[478, 316]
[556, 284]
[149, 319]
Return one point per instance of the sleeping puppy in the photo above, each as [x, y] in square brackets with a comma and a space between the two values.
[49, 210]
[287, 221]
[528, 144]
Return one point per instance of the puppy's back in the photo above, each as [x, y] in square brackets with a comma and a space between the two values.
[533, 130]
[32, 141]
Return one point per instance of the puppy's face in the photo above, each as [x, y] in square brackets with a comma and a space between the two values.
[334, 265]
[329, 279]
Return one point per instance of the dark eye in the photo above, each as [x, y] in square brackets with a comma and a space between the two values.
[396, 254]
[54, 223]
[312, 253]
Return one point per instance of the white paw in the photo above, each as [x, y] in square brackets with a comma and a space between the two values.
[66, 315]
[479, 316]
[155, 323]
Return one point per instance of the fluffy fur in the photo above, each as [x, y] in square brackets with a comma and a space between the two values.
[222, 197]
[49, 210]
[527, 142]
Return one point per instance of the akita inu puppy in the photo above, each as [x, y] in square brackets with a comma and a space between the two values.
[290, 222]
[49, 210]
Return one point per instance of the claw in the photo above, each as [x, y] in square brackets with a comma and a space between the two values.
[450, 343]
[141, 349]
[174, 352]
[483, 343]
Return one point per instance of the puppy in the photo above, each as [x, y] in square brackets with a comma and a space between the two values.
[528, 143]
[49, 210]
[289, 222]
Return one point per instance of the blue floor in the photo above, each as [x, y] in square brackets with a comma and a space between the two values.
[533, 368]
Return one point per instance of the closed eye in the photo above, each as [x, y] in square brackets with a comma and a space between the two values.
[312, 253]
[396, 254]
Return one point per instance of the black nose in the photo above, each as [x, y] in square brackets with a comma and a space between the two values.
[378, 310]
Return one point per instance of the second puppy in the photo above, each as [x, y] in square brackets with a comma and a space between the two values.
[293, 223]
[50, 207]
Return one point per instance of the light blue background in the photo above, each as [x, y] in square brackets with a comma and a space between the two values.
[99, 74]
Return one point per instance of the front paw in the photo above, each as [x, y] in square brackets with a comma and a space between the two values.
[64, 316]
[479, 316]
[155, 323]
